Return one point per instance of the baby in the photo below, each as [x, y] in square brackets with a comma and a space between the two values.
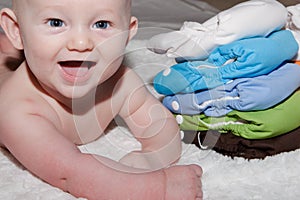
[71, 85]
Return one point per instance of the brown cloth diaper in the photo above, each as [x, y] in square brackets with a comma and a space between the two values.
[235, 146]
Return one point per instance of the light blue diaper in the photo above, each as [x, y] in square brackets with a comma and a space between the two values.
[244, 94]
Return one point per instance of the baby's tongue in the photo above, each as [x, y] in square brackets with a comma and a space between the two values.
[75, 68]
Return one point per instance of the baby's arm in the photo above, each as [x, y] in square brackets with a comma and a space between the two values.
[152, 125]
[37, 143]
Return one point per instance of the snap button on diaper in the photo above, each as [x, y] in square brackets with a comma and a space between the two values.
[182, 135]
[167, 72]
[175, 105]
[179, 119]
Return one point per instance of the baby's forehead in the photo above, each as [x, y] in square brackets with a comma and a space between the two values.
[120, 7]
[18, 3]
[15, 2]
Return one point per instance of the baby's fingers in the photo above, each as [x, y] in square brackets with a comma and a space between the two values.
[198, 170]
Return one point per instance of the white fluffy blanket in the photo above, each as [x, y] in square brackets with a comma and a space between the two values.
[274, 178]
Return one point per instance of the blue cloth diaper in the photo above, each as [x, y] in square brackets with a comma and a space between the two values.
[244, 94]
[251, 57]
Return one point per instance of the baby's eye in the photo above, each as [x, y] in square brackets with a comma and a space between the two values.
[55, 23]
[101, 25]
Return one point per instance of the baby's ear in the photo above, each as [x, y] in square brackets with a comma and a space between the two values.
[133, 27]
[9, 24]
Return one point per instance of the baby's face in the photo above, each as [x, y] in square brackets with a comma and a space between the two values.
[74, 42]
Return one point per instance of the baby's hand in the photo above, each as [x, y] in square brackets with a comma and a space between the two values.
[183, 182]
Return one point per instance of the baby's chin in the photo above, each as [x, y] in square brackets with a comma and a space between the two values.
[82, 91]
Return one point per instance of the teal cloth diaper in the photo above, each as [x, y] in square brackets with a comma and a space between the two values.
[282, 118]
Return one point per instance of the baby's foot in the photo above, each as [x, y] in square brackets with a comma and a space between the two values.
[183, 182]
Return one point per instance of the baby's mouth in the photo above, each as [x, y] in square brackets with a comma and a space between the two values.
[76, 68]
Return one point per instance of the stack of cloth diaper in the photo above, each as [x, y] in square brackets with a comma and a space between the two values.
[235, 79]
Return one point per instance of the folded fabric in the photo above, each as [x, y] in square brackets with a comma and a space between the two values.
[244, 94]
[253, 54]
[272, 122]
[293, 24]
[244, 20]
[251, 57]
[231, 145]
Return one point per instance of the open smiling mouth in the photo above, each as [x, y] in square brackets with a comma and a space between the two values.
[76, 68]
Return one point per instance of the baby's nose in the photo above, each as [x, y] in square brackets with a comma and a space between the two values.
[80, 41]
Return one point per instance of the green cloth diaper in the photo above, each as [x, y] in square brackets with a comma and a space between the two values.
[278, 120]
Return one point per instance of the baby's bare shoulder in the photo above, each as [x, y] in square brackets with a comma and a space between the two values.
[25, 111]
[19, 99]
